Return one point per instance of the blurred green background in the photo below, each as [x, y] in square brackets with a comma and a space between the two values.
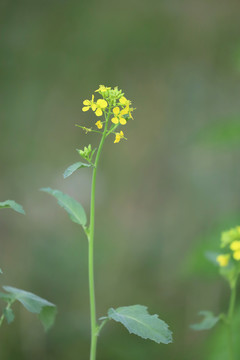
[163, 197]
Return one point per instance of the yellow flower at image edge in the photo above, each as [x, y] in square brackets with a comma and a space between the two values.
[236, 255]
[235, 245]
[223, 260]
[118, 137]
[99, 124]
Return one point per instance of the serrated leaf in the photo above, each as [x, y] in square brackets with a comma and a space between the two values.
[208, 322]
[12, 205]
[34, 304]
[9, 315]
[72, 168]
[73, 208]
[138, 321]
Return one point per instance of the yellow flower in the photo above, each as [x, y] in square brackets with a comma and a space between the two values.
[124, 101]
[102, 88]
[89, 104]
[99, 124]
[129, 112]
[118, 137]
[119, 116]
[96, 107]
[236, 255]
[223, 260]
[235, 245]
[100, 104]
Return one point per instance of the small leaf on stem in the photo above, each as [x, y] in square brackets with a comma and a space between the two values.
[73, 208]
[208, 322]
[35, 304]
[12, 205]
[9, 315]
[138, 321]
[72, 168]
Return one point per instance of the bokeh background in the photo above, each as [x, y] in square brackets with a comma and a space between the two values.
[163, 197]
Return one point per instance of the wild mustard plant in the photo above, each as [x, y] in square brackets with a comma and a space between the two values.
[229, 267]
[45, 310]
[112, 110]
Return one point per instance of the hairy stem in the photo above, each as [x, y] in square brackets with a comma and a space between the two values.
[94, 326]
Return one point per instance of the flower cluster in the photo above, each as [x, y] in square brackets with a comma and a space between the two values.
[231, 241]
[115, 109]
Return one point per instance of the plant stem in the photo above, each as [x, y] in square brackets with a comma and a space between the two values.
[1, 319]
[94, 326]
[230, 317]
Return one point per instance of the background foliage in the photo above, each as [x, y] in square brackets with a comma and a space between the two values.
[163, 196]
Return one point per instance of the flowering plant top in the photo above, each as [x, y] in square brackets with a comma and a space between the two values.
[230, 240]
[112, 110]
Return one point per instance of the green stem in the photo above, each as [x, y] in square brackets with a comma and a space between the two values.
[230, 317]
[1, 319]
[102, 325]
[94, 326]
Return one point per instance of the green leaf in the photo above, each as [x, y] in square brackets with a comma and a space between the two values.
[70, 170]
[47, 316]
[6, 297]
[208, 322]
[138, 321]
[9, 315]
[12, 205]
[73, 208]
[34, 304]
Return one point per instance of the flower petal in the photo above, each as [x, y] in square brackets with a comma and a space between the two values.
[115, 120]
[85, 108]
[125, 111]
[116, 110]
[235, 245]
[223, 260]
[99, 124]
[123, 100]
[99, 112]
[102, 103]
[122, 121]
[117, 139]
[87, 102]
[236, 255]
